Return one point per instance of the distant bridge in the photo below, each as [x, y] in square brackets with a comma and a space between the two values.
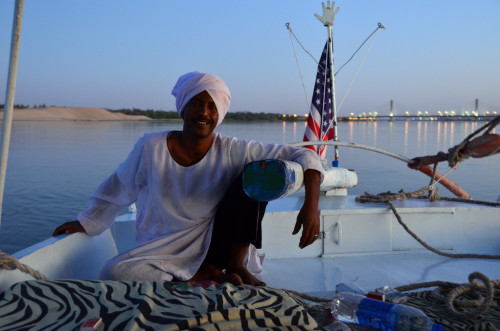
[418, 118]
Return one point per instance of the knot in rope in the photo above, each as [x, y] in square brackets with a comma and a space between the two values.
[459, 152]
[480, 288]
[455, 155]
[8, 262]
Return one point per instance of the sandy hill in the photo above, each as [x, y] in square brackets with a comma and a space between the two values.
[71, 114]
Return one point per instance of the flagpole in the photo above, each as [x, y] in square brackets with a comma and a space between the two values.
[329, 12]
[335, 162]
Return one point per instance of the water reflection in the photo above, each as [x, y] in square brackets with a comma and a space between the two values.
[406, 138]
[438, 139]
[452, 133]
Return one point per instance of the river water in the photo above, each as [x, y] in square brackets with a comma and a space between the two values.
[53, 167]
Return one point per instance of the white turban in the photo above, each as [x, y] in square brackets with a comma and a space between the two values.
[193, 83]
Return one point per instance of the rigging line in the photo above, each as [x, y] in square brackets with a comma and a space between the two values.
[356, 73]
[380, 26]
[374, 34]
[308, 107]
[305, 50]
[298, 65]
[442, 177]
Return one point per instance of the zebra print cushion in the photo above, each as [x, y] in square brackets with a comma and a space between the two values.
[66, 305]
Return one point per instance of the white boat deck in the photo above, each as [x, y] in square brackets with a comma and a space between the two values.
[320, 276]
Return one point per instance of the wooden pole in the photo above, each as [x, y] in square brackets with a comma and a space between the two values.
[9, 102]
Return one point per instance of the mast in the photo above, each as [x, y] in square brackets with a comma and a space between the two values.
[334, 103]
[327, 19]
[9, 101]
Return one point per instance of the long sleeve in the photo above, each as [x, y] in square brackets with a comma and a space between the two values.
[119, 190]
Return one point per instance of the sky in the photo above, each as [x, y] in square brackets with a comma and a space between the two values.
[433, 54]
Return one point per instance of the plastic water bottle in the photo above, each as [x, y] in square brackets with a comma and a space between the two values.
[355, 308]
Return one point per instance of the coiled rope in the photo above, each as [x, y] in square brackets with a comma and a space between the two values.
[480, 287]
[9, 262]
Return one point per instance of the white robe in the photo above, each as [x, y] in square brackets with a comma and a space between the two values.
[175, 204]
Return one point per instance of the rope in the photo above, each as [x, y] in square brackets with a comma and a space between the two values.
[480, 287]
[357, 70]
[388, 197]
[379, 26]
[477, 202]
[11, 263]
[305, 50]
[432, 249]
[297, 61]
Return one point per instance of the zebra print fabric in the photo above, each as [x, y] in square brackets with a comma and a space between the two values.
[66, 305]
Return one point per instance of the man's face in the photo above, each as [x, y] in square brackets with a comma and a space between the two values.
[200, 115]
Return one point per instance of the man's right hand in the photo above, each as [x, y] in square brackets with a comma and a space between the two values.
[68, 228]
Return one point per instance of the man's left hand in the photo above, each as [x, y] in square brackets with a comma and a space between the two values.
[308, 218]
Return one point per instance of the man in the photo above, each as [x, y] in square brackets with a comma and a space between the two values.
[193, 220]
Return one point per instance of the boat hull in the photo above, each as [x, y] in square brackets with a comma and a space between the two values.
[361, 243]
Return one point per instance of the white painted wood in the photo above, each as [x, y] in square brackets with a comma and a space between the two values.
[357, 233]
[75, 256]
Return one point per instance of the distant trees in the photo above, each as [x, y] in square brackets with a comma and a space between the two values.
[151, 113]
[245, 116]
[2, 106]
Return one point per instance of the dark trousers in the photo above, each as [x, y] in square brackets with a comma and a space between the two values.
[238, 221]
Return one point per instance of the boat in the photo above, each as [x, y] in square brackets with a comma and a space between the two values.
[400, 240]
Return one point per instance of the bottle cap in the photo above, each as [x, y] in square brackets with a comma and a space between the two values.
[437, 327]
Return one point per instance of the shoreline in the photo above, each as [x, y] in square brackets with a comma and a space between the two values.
[71, 114]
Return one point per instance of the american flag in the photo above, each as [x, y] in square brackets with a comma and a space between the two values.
[319, 122]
